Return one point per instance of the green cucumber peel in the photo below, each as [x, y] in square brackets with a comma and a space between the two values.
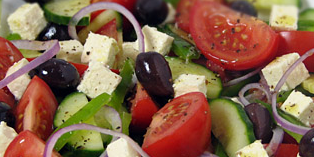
[114, 100]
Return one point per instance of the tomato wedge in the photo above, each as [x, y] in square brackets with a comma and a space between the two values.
[142, 110]
[287, 150]
[9, 54]
[36, 109]
[233, 40]
[7, 97]
[183, 13]
[290, 42]
[181, 128]
[27, 144]
[109, 29]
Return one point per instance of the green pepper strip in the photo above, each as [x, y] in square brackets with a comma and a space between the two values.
[115, 100]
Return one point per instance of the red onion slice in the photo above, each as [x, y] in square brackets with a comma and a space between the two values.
[52, 47]
[54, 137]
[112, 6]
[238, 80]
[247, 87]
[281, 121]
[275, 141]
[208, 154]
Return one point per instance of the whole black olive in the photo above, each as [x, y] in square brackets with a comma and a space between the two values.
[6, 114]
[153, 72]
[306, 146]
[151, 12]
[54, 31]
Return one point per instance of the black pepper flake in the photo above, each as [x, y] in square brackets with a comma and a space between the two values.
[255, 45]
[232, 30]
[88, 52]
[212, 46]
[118, 127]
[238, 20]
[238, 50]
[185, 114]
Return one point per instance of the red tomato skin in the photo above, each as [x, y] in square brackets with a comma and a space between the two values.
[183, 13]
[9, 54]
[287, 150]
[186, 134]
[297, 41]
[7, 97]
[230, 39]
[36, 109]
[27, 144]
[109, 29]
[142, 110]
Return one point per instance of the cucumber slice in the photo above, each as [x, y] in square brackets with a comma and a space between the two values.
[69, 106]
[308, 84]
[179, 66]
[61, 11]
[306, 20]
[86, 142]
[230, 125]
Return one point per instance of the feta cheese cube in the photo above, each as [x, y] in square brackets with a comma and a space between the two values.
[28, 21]
[121, 148]
[255, 149]
[274, 71]
[7, 134]
[98, 79]
[187, 83]
[154, 41]
[299, 106]
[284, 17]
[19, 85]
[100, 48]
[70, 50]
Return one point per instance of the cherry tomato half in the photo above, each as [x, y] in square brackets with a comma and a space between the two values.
[181, 128]
[9, 54]
[297, 41]
[36, 109]
[142, 110]
[183, 13]
[233, 40]
[27, 144]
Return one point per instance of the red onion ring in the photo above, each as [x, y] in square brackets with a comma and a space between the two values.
[107, 5]
[281, 121]
[52, 47]
[54, 137]
[208, 154]
[247, 87]
[275, 141]
[244, 77]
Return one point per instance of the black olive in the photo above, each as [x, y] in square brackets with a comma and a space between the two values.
[6, 114]
[54, 31]
[151, 12]
[244, 7]
[306, 146]
[153, 72]
[261, 120]
[59, 74]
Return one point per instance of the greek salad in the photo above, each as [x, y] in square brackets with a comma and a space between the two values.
[157, 78]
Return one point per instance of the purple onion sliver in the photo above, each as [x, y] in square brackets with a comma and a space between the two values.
[259, 86]
[52, 47]
[208, 154]
[112, 6]
[283, 122]
[238, 80]
[54, 137]
[275, 141]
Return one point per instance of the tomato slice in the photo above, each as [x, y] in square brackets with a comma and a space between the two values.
[36, 109]
[289, 41]
[233, 40]
[9, 54]
[109, 29]
[142, 110]
[181, 128]
[7, 97]
[129, 4]
[27, 144]
[183, 13]
[287, 150]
